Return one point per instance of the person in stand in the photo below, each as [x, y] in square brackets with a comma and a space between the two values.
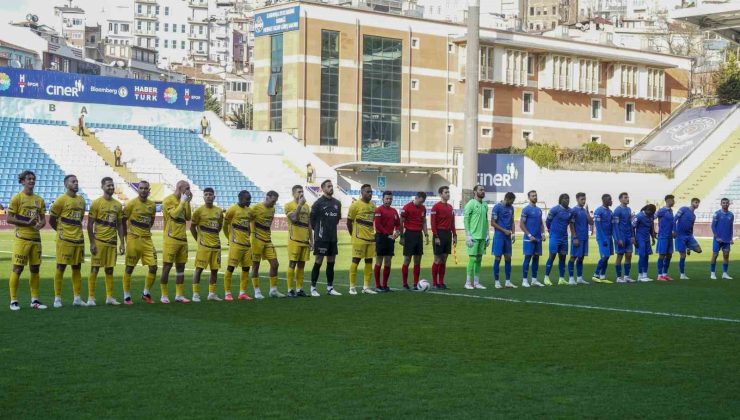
[81, 125]
[309, 173]
[204, 126]
[117, 155]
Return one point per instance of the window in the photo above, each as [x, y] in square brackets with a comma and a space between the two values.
[166, 43]
[125, 27]
[450, 48]
[528, 102]
[156, 26]
[515, 64]
[182, 28]
[530, 65]
[596, 109]
[561, 76]
[110, 26]
[544, 11]
[329, 134]
[596, 138]
[629, 142]
[629, 112]
[527, 136]
[554, 10]
[200, 30]
[414, 84]
[486, 132]
[156, 43]
[588, 76]
[174, 44]
[182, 45]
[275, 85]
[450, 128]
[628, 81]
[138, 8]
[415, 43]
[486, 63]
[488, 99]
[531, 12]
[157, 11]
[415, 126]
[138, 24]
[166, 27]
[166, 11]
[450, 88]
[655, 84]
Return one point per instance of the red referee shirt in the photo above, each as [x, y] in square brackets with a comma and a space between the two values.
[386, 220]
[443, 218]
[413, 216]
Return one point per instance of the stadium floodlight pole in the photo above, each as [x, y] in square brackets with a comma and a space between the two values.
[470, 149]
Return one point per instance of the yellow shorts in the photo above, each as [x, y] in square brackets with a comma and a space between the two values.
[363, 250]
[175, 252]
[208, 257]
[240, 255]
[140, 248]
[298, 251]
[69, 253]
[26, 252]
[106, 256]
[263, 251]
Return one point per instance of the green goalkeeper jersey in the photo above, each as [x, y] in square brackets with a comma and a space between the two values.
[476, 219]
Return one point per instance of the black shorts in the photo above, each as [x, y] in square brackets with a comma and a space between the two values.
[412, 244]
[445, 243]
[325, 249]
[384, 246]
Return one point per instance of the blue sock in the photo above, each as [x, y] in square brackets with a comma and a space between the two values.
[525, 266]
[579, 267]
[682, 265]
[507, 269]
[535, 265]
[660, 266]
[548, 264]
[496, 266]
[666, 264]
[571, 263]
[604, 265]
[627, 268]
[561, 265]
[725, 267]
[598, 267]
[712, 267]
[618, 267]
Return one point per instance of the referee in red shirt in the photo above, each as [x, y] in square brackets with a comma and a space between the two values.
[387, 228]
[413, 223]
[445, 236]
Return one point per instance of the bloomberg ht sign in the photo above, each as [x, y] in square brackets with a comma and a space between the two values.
[70, 87]
[501, 173]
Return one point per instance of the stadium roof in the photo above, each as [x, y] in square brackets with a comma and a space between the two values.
[724, 19]
[419, 168]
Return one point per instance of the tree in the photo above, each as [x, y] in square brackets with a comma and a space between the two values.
[212, 103]
[243, 120]
[727, 80]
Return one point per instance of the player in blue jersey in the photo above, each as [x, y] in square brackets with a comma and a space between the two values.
[604, 237]
[558, 220]
[579, 229]
[624, 237]
[502, 221]
[533, 227]
[684, 234]
[722, 224]
[664, 248]
[644, 240]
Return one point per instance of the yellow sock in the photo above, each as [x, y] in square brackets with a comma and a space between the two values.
[244, 281]
[163, 290]
[34, 281]
[353, 274]
[299, 278]
[108, 285]
[91, 280]
[13, 284]
[368, 275]
[211, 287]
[196, 288]
[179, 289]
[58, 283]
[126, 282]
[227, 282]
[291, 275]
[76, 282]
[273, 282]
[256, 282]
[149, 280]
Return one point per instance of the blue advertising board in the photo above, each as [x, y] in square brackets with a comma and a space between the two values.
[501, 172]
[277, 21]
[70, 87]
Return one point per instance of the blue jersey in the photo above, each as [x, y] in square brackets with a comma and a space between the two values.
[557, 221]
[684, 222]
[504, 216]
[532, 219]
[643, 225]
[722, 225]
[579, 218]
[603, 223]
[665, 223]
[622, 219]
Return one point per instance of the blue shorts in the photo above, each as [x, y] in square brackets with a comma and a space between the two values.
[720, 246]
[643, 247]
[606, 247]
[558, 245]
[531, 247]
[628, 248]
[686, 242]
[501, 245]
[581, 250]
[664, 246]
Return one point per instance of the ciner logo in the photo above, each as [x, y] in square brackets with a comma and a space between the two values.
[4, 81]
[505, 179]
[58, 90]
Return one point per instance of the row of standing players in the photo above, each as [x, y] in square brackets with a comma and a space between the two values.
[373, 231]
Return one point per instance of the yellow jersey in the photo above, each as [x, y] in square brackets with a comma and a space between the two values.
[208, 222]
[69, 212]
[261, 222]
[362, 215]
[176, 214]
[25, 208]
[107, 215]
[140, 216]
[298, 230]
[236, 225]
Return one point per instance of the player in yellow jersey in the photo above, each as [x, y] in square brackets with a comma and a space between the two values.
[360, 221]
[27, 212]
[67, 213]
[138, 217]
[176, 210]
[300, 240]
[206, 229]
[237, 231]
[262, 247]
[104, 222]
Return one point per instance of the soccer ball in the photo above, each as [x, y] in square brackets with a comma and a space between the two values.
[423, 285]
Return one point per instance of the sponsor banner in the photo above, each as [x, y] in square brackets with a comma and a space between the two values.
[501, 172]
[69, 87]
[277, 21]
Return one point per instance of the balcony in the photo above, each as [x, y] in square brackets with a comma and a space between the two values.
[199, 53]
[199, 37]
[145, 32]
[146, 16]
[198, 4]
[146, 1]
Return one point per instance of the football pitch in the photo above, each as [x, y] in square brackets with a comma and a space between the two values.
[609, 351]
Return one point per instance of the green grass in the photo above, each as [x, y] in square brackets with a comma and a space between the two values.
[402, 354]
